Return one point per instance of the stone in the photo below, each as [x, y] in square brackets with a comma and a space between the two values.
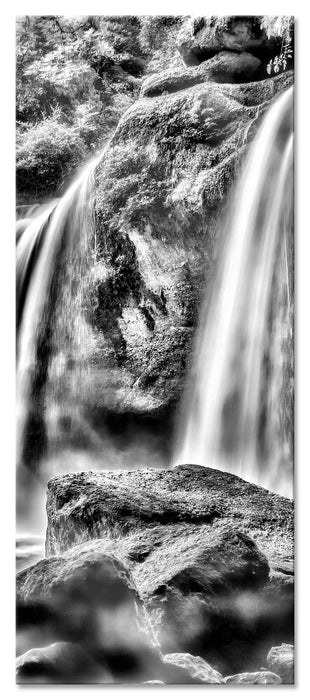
[281, 661]
[256, 678]
[170, 80]
[224, 67]
[88, 597]
[210, 555]
[231, 67]
[198, 668]
[160, 188]
[201, 37]
[61, 662]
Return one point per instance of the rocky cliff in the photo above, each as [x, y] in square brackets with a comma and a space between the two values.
[161, 192]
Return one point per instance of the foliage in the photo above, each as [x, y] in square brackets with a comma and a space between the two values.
[278, 26]
[75, 77]
[158, 40]
[46, 153]
[280, 62]
[282, 28]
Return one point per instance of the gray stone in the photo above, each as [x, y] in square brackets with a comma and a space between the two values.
[281, 661]
[88, 597]
[256, 678]
[225, 67]
[198, 668]
[61, 662]
[207, 553]
[201, 37]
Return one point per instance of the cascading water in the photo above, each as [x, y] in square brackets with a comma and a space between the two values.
[52, 257]
[237, 412]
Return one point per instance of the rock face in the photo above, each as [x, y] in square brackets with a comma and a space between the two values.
[281, 660]
[202, 37]
[61, 662]
[210, 555]
[160, 188]
[225, 67]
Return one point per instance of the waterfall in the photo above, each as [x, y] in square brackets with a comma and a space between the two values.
[52, 263]
[237, 413]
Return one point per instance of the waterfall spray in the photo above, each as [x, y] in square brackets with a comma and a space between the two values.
[62, 232]
[232, 416]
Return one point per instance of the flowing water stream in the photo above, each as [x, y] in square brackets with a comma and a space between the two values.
[237, 413]
[52, 262]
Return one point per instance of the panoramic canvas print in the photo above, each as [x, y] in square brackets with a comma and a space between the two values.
[155, 350]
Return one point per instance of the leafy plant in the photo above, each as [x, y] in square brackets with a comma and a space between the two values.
[282, 28]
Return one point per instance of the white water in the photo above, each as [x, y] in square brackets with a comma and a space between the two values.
[236, 414]
[60, 227]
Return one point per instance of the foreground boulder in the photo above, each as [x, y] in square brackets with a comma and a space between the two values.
[61, 662]
[198, 668]
[257, 678]
[281, 660]
[210, 555]
[87, 597]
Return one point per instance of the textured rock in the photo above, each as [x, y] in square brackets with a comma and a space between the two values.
[231, 67]
[88, 597]
[257, 678]
[210, 554]
[61, 662]
[281, 661]
[225, 67]
[201, 37]
[198, 668]
[160, 189]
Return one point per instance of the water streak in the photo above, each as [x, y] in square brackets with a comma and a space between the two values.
[51, 254]
[237, 411]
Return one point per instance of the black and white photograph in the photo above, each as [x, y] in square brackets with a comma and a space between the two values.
[155, 349]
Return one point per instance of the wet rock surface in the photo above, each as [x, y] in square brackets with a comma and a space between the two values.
[88, 597]
[61, 662]
[257, 678]
[210, 554]
[281, 660]
[198, 668]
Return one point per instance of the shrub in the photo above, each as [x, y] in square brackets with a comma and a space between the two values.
[45, 155]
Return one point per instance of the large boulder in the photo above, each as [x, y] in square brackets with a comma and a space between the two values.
[254, 678]
[199, 669]
[210, 554]
[87, 597]
[160, 188]
[61, 662]
[281, 661]
[224, 67]
[202, 37]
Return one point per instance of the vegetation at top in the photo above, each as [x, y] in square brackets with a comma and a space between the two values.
[75, 77]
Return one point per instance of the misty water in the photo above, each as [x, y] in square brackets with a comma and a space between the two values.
[236, 413]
